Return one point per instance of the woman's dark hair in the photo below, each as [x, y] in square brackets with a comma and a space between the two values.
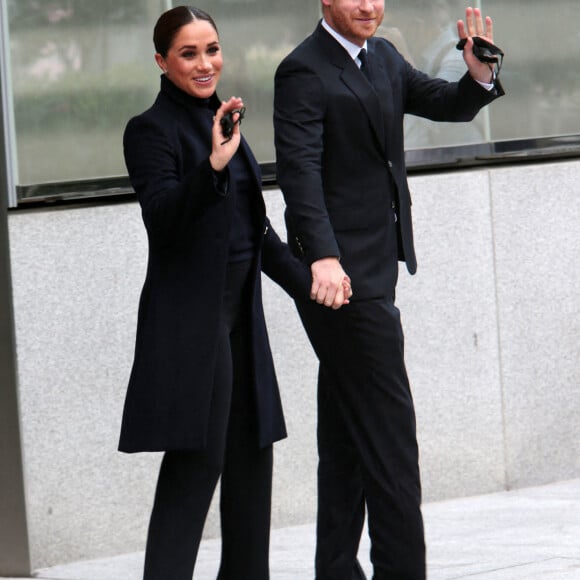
[170, 22]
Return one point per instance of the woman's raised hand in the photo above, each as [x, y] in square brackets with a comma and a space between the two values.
[223, 149]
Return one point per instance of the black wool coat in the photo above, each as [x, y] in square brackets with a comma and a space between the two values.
[188, 215]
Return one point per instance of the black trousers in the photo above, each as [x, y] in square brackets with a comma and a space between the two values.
[367, 446]
[187, 479]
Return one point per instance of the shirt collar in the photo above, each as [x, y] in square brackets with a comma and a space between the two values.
[350, 47]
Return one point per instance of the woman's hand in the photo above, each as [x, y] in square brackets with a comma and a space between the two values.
[223, 150]
[346, 289]
[474, 26]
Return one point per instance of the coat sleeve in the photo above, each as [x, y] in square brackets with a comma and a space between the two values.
[299, 111]
[440, 100]
[281, 266]
[171, 194]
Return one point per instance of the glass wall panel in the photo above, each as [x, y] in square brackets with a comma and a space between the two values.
[542, 68]
[81, 68]
[540, 73]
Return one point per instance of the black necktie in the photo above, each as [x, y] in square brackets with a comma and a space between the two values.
[364, 65]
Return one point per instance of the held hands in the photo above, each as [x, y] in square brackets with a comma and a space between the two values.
[474, 26]
[223, 150]
[330, 284]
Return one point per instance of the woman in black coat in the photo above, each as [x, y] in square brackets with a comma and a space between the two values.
[202, 386]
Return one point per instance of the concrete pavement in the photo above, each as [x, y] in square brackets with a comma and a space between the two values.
[526, 534]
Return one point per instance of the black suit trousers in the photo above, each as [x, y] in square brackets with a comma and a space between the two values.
[187, 479]
[367, 444]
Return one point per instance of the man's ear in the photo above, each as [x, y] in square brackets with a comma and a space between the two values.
[160, 62]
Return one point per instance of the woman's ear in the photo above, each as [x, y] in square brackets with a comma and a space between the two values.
[161, 62]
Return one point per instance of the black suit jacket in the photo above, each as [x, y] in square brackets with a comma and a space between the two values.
[188, 216]
[340, 151]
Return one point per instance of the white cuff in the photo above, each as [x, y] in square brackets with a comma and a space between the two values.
[488, 86]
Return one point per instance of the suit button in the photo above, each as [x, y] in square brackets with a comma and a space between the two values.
[393, 205]
[390, 163]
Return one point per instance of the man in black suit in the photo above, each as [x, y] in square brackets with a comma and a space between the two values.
[341, 168]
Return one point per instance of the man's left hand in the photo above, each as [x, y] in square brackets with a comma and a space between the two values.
[474, 26]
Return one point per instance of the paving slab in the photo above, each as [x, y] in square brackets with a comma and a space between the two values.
[526, 534]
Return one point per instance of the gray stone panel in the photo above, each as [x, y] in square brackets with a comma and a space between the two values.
[449, 316]
[536, 217]
[77, 276]
[491, 324]
[295, 459]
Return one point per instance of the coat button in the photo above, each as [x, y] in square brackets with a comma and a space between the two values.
[390, 163]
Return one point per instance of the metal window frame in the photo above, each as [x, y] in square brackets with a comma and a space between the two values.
[6, 99]
[14, 541]
[110, 189]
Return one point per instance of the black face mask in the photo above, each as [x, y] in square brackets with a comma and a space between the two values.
[485, 51]
[227, 123]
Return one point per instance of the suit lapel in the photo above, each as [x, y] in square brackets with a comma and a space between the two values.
[383, 87]
[352, 77]
[357, 83]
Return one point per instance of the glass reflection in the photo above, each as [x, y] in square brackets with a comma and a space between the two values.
[81, 68]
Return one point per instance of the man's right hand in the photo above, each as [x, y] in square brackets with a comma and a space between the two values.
[330, 284]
